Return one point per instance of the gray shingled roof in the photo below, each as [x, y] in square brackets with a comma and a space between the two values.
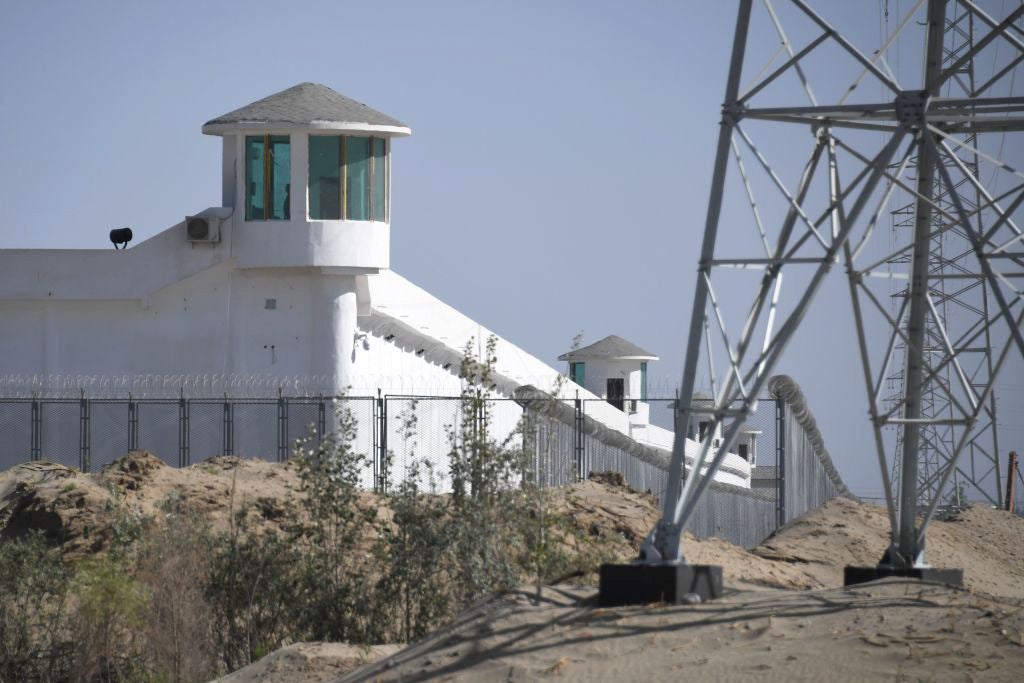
[611, 346]
[304, 104]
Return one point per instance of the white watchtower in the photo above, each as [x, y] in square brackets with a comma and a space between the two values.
[614, 369]
[306, 172]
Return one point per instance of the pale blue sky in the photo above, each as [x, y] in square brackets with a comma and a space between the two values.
[556, 179]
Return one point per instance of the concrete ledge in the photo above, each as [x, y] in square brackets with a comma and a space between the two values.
[642, 584]
[855, 575]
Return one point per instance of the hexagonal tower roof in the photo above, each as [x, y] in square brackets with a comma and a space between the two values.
[612, 347]
[306, 106]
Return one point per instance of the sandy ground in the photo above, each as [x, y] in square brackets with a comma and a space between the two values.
[891, 630]
[310, 663]
[988, 544]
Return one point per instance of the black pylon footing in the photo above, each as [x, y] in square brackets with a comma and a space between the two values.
[641, 584]
[855, 575]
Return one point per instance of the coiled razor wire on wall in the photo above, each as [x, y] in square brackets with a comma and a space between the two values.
[163, 386]
[808, 477]
[120, 386]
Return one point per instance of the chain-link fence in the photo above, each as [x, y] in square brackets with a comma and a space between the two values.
[781, 454]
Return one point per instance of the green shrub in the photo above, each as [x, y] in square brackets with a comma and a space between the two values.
[334, 533]
[35, 634]
[109, 620]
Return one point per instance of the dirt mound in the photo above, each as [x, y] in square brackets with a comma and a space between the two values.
[988, 544]
[622, 518]
[310, 663]
[75, 511]
[132, 471]
[610, 478]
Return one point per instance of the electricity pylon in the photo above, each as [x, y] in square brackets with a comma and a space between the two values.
[961, 302]
[863, 149]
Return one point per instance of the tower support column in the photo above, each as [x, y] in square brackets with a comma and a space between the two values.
[335, 308]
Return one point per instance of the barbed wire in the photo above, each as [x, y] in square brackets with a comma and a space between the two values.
[171, 386]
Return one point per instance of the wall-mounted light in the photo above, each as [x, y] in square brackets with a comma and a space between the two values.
[389, 337]
[446, 366]
[121, 236]
[420, 352]
[365, 338]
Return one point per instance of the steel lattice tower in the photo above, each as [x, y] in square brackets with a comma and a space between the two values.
[924, 139]
[959, 302]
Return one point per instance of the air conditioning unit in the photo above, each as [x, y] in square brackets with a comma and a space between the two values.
[202, 228]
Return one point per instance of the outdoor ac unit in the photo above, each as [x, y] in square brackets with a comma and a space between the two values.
[202, 228]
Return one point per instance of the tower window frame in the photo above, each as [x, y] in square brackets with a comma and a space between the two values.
[578, 372]
[377, 180]
[268, 180]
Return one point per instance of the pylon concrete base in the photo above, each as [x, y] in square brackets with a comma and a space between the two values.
[855, 575]
[641, 584]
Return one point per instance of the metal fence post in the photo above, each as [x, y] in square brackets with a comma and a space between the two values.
[321, 421]
[375, 451]
[183, 407]
[83, 433]
[282, 427]
[1011, 482]
[228, 428]
[36, 438]
[380, 480]
[780, 462]
[133, 424]
[577, 437]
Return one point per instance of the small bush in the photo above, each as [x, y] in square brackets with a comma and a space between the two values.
[334, 533]
[253, 590]
[173, 567]
[35, 634]
[109, 622]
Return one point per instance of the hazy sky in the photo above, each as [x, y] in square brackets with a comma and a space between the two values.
[556, 180]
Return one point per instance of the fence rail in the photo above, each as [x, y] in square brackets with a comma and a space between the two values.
[563, 443]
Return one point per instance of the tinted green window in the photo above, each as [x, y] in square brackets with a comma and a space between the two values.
[380, 171]
[325, 177]
[643, 381]
[357, 179]
[577, 372]
[268, 177]
[280, 177]
[254, 177]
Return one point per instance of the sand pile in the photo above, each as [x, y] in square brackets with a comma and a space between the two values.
[988, 544]
[310, 663]
[75, 510]
[604, 504]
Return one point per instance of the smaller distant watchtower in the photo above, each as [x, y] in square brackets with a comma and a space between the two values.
[614, 369]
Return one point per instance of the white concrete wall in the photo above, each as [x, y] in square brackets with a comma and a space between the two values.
[218, 321]
[598, 371]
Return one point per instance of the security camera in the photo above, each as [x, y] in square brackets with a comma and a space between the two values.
[366, 340]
